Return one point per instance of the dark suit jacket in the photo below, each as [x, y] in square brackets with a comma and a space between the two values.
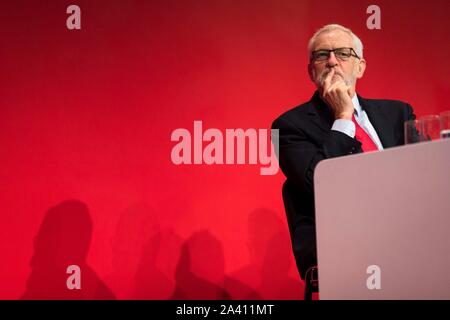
[305, 139]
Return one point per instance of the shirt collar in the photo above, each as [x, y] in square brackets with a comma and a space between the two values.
[356, 104]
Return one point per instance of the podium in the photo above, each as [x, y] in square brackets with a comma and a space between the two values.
[383, 223]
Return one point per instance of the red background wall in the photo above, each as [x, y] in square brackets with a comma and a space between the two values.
[87, 115]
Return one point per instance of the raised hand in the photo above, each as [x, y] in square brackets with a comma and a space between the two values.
[337, 94]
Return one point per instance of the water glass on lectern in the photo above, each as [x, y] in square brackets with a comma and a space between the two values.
[431, 127]
[445, 124]
[413, 130]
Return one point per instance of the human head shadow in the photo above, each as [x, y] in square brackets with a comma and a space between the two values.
[154, 277]
[63, 240]
[200, 271]
[271, 259]
[135, 245]
[276, 283]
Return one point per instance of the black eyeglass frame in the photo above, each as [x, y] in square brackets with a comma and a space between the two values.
[352, 52]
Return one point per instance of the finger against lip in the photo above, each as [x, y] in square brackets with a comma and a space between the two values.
[328, 77]
[330, 74]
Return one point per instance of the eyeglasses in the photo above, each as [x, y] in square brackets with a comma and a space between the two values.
[342, 54]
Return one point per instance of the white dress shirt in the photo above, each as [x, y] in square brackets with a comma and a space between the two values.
[348, 127]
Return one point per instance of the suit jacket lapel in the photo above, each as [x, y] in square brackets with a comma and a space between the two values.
[379, 121]
[320, 113]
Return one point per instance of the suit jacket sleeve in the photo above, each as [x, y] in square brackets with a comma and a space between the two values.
[299, 155]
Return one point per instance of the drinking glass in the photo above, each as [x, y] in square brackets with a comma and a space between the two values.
[445, 124]
[430, 127]
[413, 131]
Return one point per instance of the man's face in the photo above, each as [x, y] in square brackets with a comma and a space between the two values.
[348, 70]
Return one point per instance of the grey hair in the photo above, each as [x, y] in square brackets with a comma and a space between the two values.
[330, 27]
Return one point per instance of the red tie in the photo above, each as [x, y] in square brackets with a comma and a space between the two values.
[367, 143]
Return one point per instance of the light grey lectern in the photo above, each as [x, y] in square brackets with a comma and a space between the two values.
[383, 224]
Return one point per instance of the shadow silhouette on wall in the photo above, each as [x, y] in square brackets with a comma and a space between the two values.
[135, 226]
[276, 283]
[201, 268]
[200, 272]
[143, 255]
[63, 240]
[154, 278]
[270, 260]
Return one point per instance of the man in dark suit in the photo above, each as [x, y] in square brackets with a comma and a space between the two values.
[335, 122]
